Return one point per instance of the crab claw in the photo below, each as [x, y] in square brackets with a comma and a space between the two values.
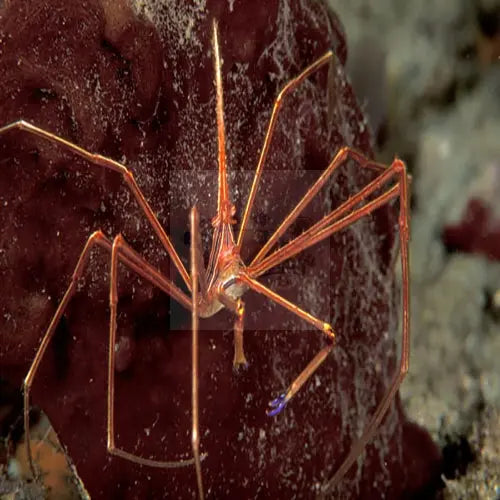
[277, 405]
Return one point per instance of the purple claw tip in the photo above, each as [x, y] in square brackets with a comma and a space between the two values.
[277, 401]
[277, 405]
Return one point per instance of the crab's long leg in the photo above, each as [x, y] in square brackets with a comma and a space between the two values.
[340, 158]
[287, 89]
[195, 430]
[325, 228]
[102, 161]
[120, 247]
[279, 403]
[371, 428]
[134, 262]
[339, 218]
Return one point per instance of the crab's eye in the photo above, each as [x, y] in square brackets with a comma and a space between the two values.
[187, 238]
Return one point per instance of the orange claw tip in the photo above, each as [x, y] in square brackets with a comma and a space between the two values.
[327, 328]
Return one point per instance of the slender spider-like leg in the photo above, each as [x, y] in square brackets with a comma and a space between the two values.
[371, 428]
[133, 261]
[287, 89]
[238, 308]
[325, 228]
[340, 158]
[108, 163]
[279, 403]
[121, 247]
[195, 278]
[341, 217]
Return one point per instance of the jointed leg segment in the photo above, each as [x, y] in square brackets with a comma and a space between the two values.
[108, 163]
[287, 89]
[279, 403]
[340, 158]
[195, 274]
[95, 238]
[142, 268]
[372, 426]
[338, 219]
[120, 247]
[345, 215]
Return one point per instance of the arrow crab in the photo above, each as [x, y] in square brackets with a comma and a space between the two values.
[225, 279]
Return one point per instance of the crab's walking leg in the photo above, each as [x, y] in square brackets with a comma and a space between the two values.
[238, 308]
[287, 89]
[338, 219]
[133, 261]
[195, 430]
[102, 161]
[121, 247]
[340, 158]
[328, 226]
[371, 428]
[279, 403]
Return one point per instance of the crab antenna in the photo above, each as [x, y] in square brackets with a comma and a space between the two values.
[223, 196]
